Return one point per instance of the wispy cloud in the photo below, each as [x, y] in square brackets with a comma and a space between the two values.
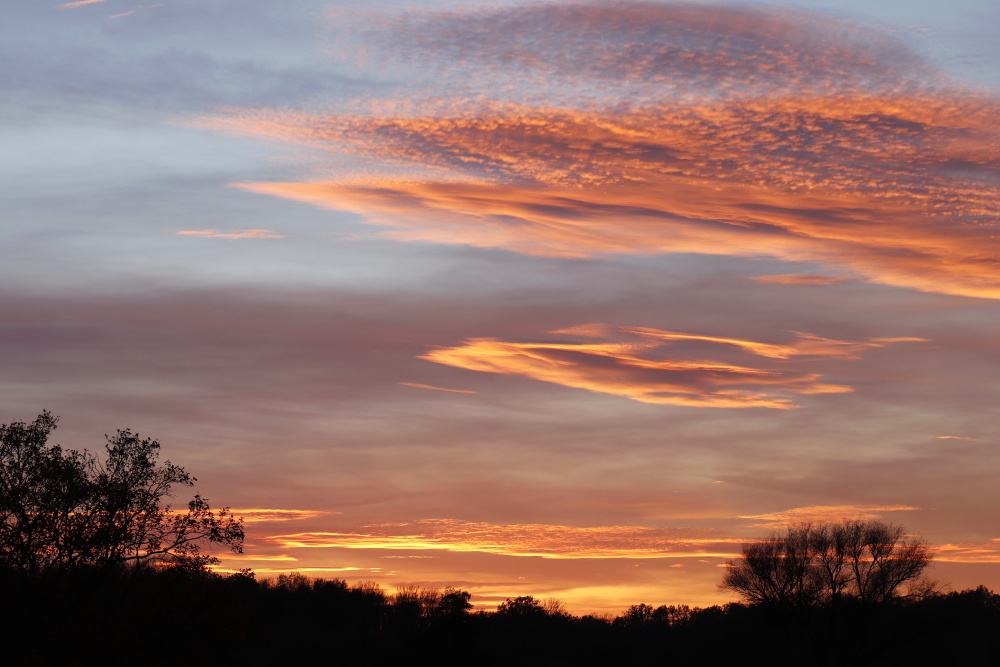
[417, 385]
[257, 557]
[548, 541]
[771, 135]
[806, 344]
[799, 279]
[634, 366]
[232, 233]
[968, 552]
[304, 570]
[823, 514]
[262, 515]
[78, 3]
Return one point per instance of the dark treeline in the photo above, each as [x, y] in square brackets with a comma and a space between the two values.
[96, 568]
[161, 616]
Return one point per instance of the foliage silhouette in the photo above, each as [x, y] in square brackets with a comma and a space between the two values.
[525, 606]
[293, 619]
[864, 561]
[62, 509]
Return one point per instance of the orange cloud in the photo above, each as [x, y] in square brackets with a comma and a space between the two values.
[78, 3]
[547, 541]
[799, 279]
[967, 552]
[775, 134]
[284, 570]
[260, 515]
[823, 514]
[868, 183]
[233, 234]
[229, 557]
[630, 368]
[806, 345]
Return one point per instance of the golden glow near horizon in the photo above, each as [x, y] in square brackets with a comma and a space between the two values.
[988, 552]
[823, 514]
[565, 542]
[697, 551]
[546, 541]
[264, 515]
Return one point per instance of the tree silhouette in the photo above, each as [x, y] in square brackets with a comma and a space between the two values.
[524, 606]
[61, 509]
[454, 603]
[867, 561]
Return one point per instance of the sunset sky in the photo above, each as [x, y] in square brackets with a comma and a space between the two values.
[563, 299]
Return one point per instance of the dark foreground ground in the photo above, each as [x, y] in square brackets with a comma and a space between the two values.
[153, 618]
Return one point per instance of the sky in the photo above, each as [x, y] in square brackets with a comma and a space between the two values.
[562, 299]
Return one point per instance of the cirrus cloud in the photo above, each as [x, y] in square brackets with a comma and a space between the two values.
[266, 515]
[232, 233]
[799, 279]
[969, 552]
[823, 514]
[547, 541]
[417, 385]
[634, 366]
[78, 3]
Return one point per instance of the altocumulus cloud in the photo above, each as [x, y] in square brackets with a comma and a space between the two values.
[753, 133]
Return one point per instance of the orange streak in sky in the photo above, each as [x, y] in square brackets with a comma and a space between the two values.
[628, 369]
[78, 3]
[808, 344]
[692, 383]
[261, 515]
[824, 514]
[547, 541]
[968, 552]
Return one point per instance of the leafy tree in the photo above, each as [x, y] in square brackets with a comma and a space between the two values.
[867, 561]
[61, 509]
[524, 606]
[454, 603]
[636, 616]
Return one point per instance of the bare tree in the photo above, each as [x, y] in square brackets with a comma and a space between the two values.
[820, 564]
[61, 509]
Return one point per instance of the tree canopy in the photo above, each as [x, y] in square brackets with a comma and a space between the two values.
[61, 509]
[866, 561]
